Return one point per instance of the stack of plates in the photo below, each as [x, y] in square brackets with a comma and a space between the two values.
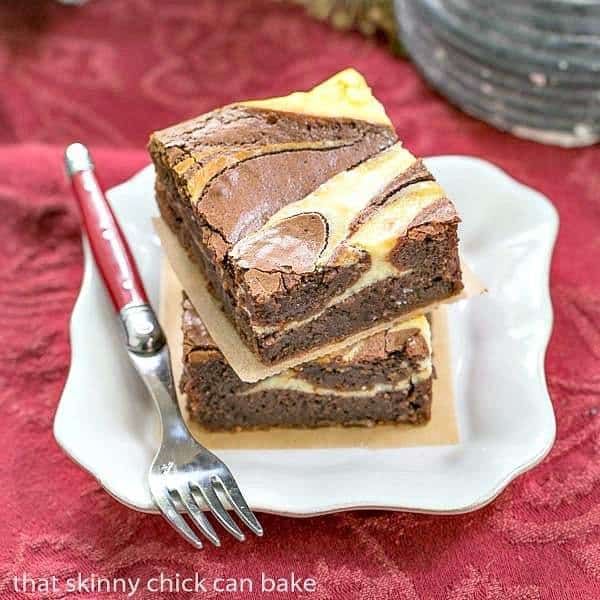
[532, 68]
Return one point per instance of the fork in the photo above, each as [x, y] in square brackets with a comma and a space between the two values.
[183, 471]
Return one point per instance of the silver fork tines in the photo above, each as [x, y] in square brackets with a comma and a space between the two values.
[183, 472]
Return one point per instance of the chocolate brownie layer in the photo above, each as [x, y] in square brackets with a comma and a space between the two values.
[284, 408]
[384, 378]
[309, 228]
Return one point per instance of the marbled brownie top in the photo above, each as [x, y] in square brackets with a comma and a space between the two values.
[308, 183]
[240, 164]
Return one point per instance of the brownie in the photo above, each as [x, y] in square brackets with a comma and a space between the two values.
[309, 220]
[383, 378]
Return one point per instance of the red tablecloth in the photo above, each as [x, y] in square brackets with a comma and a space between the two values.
[109, 73]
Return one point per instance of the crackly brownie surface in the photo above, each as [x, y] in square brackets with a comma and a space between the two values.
[308, 218]
[384, 378]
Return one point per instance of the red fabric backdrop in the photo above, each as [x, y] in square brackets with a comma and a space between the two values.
[109, 73]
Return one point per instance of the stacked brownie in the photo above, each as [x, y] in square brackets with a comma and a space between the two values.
[384, 378]
[311, 224]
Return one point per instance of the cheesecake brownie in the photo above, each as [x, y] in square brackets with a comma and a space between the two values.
[309, 220]
[384, 378]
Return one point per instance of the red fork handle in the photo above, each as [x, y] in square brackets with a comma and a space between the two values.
[109, 246]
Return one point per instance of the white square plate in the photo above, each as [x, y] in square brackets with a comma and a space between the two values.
[108, 425]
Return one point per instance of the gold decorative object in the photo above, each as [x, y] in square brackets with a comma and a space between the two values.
[371, 17]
